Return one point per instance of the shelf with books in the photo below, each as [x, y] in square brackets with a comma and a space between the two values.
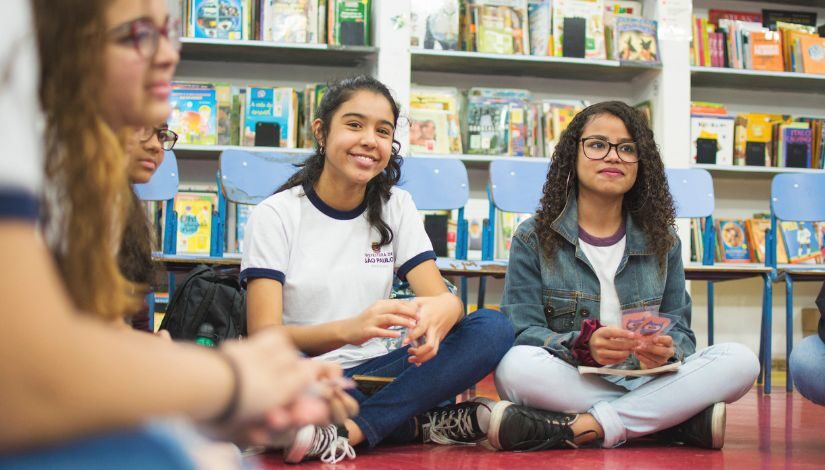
[753, 171]
[788, 3]
[480, 161]
[477, 63]
[212, 152]
[720, 77]
[272, 52]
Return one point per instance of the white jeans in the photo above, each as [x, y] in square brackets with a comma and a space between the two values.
[531, 376]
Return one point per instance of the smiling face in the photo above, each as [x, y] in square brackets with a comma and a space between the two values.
[358, 144]
[610, 176]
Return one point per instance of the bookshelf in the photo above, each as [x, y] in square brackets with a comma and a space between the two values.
[271, 52]
[476, 63]
[740, 191]
[760, 172]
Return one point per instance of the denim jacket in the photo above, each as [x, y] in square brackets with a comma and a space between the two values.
[547, 301]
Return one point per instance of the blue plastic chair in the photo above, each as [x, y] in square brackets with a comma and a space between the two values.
[798, 197]
[693, 197]
[250, 177]
[162, 188]
[440, 184]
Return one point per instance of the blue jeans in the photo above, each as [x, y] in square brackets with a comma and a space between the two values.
[807, 368]
[468, 353]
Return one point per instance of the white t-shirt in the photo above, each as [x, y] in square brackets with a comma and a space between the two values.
[329, 261]
[21, 165]
[604, 255]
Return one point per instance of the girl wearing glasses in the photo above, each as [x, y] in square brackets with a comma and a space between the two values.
[602, 242]
[67, 375]
[144, 151]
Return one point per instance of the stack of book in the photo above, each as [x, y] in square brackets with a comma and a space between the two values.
[772, 40]
[593, 29]
[334, 22]
[755, 139]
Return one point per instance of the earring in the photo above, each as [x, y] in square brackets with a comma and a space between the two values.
[321, 150]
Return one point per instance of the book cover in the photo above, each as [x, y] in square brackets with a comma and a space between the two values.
[270, 117]
[766, 51]
[223, 97]
[756, 229]
[540, 18]
[434, 24]
[610, 370]
[796, 147]
[505, 226]
[429, 131]
[194, 214]
[592, 11]
[635, 40]
[712, 139]
[217, 19]
[812, 50]
[349, 22]
[290, 21]
[477, 214]
[242, 212]
[801, 242]
[715, 15]
[194, 113]
[732, 241]
[771, 17]
[443, 99]
[501, 26]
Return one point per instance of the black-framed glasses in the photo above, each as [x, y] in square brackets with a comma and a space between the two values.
[144, 35]
[596, 148]
[166, 136]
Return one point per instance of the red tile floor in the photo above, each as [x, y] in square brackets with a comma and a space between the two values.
[780, 430]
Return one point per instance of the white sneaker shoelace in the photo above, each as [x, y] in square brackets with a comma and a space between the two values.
[329, 446]
[447, 425]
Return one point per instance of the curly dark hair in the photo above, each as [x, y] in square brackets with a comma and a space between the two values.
[649, 201]
[378, 189]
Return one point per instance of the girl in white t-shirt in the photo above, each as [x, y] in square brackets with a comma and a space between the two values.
[320, 259]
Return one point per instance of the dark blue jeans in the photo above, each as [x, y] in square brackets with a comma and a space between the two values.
[470, 352]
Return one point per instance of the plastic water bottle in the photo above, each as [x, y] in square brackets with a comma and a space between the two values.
[206, 336]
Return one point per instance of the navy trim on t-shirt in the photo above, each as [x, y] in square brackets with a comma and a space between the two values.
[258, 273]
[18, 204]
[413, 262]
[602, 241]
[329, 211]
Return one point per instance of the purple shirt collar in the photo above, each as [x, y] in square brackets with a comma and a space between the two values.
[606, 241]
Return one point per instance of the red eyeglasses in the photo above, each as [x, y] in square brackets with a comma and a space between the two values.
[144, 35]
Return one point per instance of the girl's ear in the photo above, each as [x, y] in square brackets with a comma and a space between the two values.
[318, 131]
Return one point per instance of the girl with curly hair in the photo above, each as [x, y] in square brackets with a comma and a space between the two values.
[603, 242]
[319, 261]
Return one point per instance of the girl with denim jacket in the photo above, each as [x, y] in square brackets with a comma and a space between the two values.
[602, 242]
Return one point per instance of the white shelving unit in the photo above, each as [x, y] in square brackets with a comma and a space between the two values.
[669, 87]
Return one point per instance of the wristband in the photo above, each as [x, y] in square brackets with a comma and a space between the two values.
[231, 408]
[581, 347]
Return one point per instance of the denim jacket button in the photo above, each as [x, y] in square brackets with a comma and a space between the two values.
[548, 309]
[585, 313]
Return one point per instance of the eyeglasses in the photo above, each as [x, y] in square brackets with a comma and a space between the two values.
[166, 137]
[144, 35]
[597, 149]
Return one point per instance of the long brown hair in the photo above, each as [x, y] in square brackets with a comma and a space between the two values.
[649, 201]
[85, 163]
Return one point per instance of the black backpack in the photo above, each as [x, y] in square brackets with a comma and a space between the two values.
[208, 295]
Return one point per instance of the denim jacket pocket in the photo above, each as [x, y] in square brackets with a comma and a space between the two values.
[560, 312]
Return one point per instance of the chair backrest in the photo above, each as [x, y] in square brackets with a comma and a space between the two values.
[798, 197]
[164, 183]
[435, 183]
[516, 185]
[692, 192]
[251, 177]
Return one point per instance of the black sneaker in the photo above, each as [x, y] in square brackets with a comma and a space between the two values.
[464, 423]
[517, 427]
[327, 443]
[705, 430]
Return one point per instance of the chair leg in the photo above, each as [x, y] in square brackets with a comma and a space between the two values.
[464, 294]
[710, 312]
[482, 290]
[761, 356]
[150, 302]
[768, 326]
[788, 329]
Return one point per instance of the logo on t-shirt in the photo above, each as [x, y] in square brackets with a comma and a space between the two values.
[378, 256]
